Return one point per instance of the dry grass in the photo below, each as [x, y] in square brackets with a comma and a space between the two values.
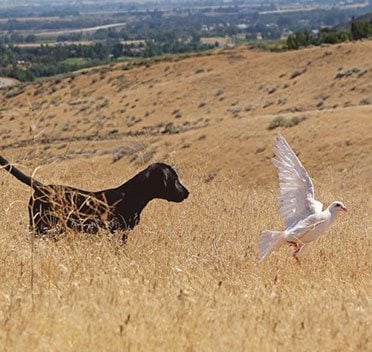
[188, 278]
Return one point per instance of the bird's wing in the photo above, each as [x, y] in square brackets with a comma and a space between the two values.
[296, 199]
[303, 227]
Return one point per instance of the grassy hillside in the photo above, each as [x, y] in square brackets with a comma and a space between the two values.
[185, 107]
[188, 278]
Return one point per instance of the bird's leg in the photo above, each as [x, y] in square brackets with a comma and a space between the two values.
[298, 249]
[295, 257]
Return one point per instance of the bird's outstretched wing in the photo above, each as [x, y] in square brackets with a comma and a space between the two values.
[296, 200]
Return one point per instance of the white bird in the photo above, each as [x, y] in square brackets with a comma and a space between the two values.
[304, 216]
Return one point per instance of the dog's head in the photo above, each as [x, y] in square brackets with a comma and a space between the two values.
[165, 184]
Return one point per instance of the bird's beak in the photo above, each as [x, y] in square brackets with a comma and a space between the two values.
[344, 208]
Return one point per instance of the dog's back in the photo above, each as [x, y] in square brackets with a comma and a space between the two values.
[62, 207]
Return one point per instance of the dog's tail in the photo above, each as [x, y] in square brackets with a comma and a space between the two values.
[29, 181]
[269, 242]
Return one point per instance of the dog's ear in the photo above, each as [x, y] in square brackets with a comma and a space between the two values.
[165, 173]
[146, 174]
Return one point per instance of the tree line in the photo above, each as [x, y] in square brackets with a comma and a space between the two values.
[29, 63]
[358, 30]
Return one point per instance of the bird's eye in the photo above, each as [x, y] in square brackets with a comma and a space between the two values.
[338, 205]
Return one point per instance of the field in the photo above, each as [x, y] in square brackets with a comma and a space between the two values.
[188, 278]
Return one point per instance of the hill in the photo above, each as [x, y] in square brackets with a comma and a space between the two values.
[188, 278]
[187, 107]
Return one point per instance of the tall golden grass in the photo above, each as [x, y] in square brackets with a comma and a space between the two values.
[188, 278]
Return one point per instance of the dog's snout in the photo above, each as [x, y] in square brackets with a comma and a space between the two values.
[182, 189]
[186, 192]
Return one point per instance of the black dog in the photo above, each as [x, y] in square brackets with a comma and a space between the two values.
[56, 207]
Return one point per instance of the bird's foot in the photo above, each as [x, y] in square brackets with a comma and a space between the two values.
[295, 257]
[296, 245]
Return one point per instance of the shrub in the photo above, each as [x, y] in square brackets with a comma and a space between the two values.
[14, 93]
[286, 122]
[297, 73]
[366, 101]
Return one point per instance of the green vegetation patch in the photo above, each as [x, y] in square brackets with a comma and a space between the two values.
[76, 61]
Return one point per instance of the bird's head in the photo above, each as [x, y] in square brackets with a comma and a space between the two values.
[337, 206]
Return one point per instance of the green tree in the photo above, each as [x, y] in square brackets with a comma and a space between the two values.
[330, 36]
[117, 50]
[360, 29]
[292, 42]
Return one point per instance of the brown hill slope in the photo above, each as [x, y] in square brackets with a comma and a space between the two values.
[212, 110]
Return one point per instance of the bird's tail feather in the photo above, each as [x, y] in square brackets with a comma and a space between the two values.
[269, 242]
